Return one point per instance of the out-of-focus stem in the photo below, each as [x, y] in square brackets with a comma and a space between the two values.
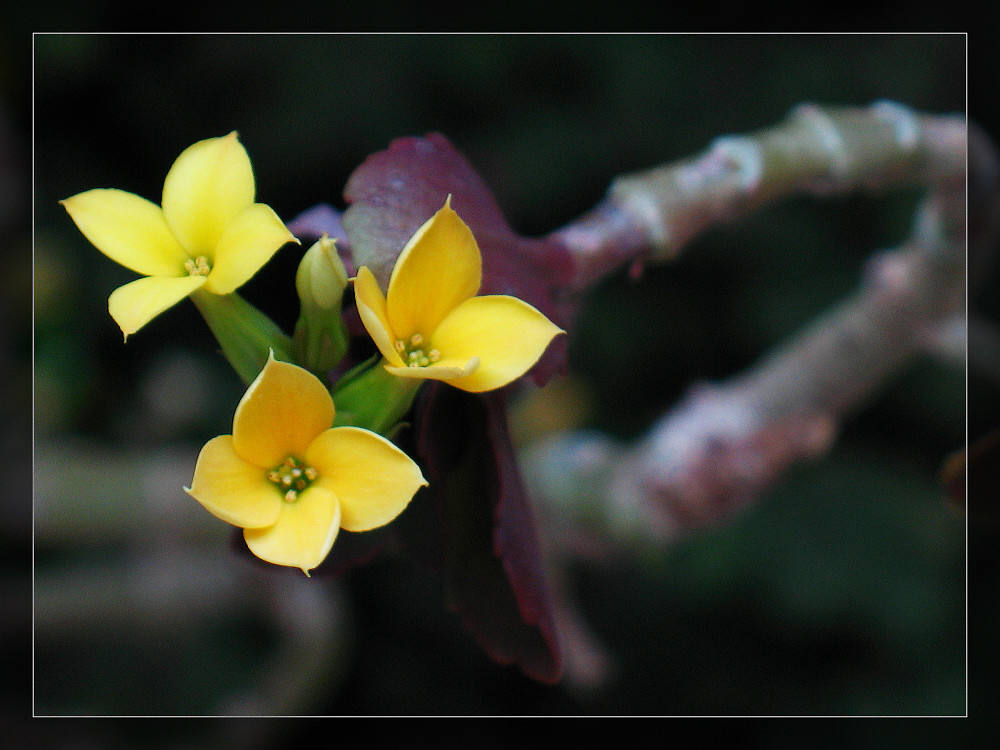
[725, 443]
[652, 215]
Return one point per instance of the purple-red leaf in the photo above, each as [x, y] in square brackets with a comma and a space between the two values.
[395, 191]
[493, 567]
[314, 222]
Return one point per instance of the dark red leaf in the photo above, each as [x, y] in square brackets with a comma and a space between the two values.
[492, 562]
[313, 222]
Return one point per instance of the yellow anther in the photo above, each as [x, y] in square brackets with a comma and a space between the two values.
[414, 354]
[292, 477]
[198, 266]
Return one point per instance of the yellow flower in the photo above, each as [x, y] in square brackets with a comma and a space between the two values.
[431, 324]
[209, 234]
[290, 480]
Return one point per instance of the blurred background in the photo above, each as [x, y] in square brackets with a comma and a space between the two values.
[841, 592]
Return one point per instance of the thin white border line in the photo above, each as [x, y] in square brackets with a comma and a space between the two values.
[32, 347]
[966, 467]
[34, 34]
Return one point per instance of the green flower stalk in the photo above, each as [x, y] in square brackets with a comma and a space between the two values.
[371, 397]
[320, 340]
[246, 334]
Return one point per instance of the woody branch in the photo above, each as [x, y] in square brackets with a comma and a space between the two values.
[725, 443]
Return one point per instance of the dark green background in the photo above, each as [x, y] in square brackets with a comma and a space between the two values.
[841, 592]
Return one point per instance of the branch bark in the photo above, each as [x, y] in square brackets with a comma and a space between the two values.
[652, 215]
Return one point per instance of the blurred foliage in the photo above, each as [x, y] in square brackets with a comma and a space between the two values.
[842, 592]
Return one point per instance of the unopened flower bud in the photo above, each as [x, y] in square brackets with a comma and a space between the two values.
[320, 340]
[321, 278]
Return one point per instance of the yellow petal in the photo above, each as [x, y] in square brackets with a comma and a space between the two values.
[507, 334]
[284, 408]
[373, 479]
[303, 534]
[138, 302]
[439, 268]
[128, 229]
[246, 244]
[207, 186]
[371, 308]
[445, 369]
[232, 489]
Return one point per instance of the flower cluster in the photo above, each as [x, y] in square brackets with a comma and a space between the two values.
[305, 460]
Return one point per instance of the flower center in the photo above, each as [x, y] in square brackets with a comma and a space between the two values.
[291, 477]
[413, 352]
[198, 267]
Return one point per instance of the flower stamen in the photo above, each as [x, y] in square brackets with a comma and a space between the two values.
[198, 267]
[413, 352]
[292, 476]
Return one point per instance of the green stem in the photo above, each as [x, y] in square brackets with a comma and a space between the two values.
[244, 332]
[319, 348]
[374, 399]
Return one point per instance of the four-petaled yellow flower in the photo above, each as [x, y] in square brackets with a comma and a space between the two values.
[290, 480]
[209, 234]
[431, 324]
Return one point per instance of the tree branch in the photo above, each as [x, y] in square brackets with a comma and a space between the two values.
[652, 215]
[725, 443]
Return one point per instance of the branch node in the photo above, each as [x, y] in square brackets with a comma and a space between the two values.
[742, 156]
[906, 128]
[823, 127]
